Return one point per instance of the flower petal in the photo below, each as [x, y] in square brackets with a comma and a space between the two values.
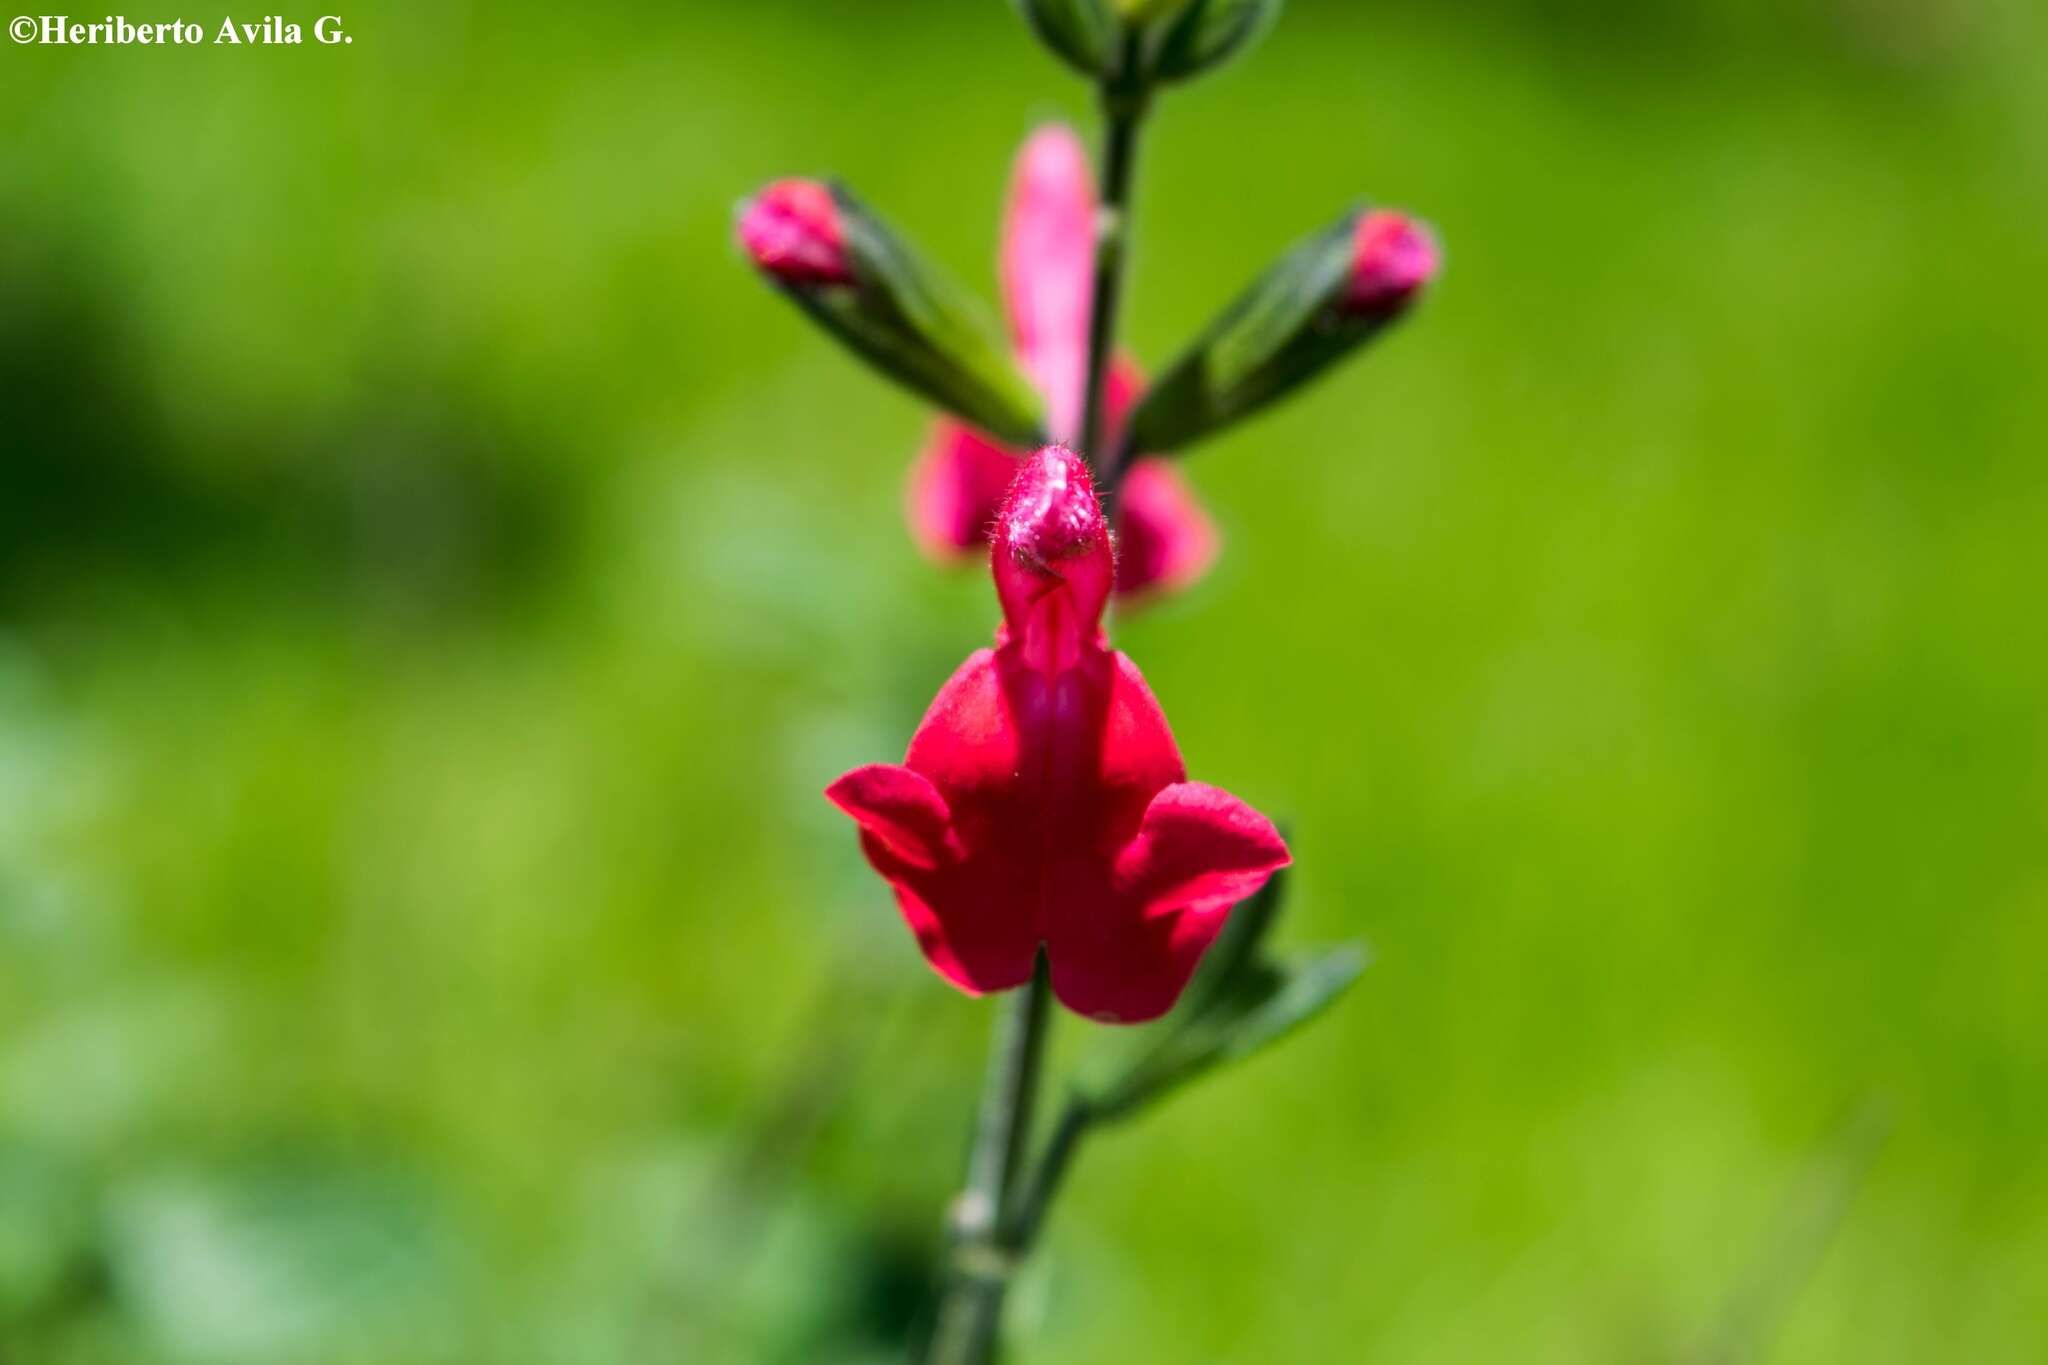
[1110, 960]
[1048, 270]
[908, 836]
[1138, 755]
[901, 809]
[1198, 852]
[955, 489]
[1165, 539]
[975, 919]
[1122, 387]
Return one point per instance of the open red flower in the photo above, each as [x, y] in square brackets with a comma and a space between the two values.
[1043, 803]
[1166, 540]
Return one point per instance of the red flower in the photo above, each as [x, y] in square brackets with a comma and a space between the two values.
[1043, 803]
[1048, 271]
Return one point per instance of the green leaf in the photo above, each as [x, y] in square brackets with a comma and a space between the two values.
[1080, 31]
[1263, 1003]
[1207, 33]
[1291, 995]
[1280, 333]
[1235, 949]
[1242, 1000]
[1145, 11]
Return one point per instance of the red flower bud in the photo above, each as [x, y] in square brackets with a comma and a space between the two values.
[793, 232]
[1043, 803]
[1392, 256]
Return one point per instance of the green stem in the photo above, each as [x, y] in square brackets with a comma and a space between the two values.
[995, 1222]
[1035, 1197]
[1123, 113]
[979, 1273]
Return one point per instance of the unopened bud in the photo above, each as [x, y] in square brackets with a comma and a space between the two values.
[793, 232]
[1081, 32]
[1392, 256]
[1142, 43]
[1319, 302]
[857, 279]
[1200, 34]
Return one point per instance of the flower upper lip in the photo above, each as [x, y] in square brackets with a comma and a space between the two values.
[1054, 519]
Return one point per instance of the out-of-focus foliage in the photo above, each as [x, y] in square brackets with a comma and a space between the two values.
[434, 584]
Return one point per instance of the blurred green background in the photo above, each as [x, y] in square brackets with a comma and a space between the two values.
[436, 580]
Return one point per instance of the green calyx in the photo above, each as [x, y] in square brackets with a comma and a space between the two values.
[1286, 329]
[919, 328]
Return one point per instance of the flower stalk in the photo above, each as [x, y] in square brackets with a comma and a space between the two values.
[1000, 1211]
[1041, 835]
[982, 1260]
[1124, 106]
[1035, 1195]
[970, 1316]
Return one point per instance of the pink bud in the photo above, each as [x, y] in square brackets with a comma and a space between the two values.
[1392, 256]
[793, 232]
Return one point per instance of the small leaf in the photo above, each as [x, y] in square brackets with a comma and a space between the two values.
[1081, 32]
[1302, 990]
[1264, 1005]
[1236, 948]
[1241, 1001]
[1207, 33]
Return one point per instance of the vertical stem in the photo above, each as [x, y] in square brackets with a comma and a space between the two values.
[994, 1221]
[1009, 1097]
[1123, 113]
[1035, 1195]
[980, 1265]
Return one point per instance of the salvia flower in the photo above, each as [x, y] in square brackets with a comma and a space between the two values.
[1043, 803]
[1047, 265]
